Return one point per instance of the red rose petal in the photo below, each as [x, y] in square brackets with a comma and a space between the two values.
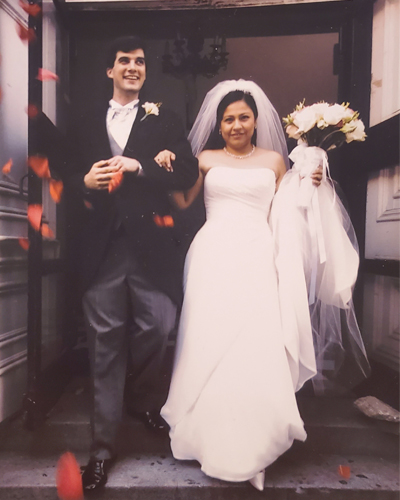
[32, 111]
[115, 181]
[46, 75]
[35, 213]
[159, 221]
[24, 243]
[68, 478]
[26, 34]
[344, 471]
[31, 9]
[47, 232]
[168, 221]
[88, 205]
[56, 189]
[40, 165]
[7, 167]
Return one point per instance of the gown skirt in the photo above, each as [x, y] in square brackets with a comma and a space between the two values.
[232, 404]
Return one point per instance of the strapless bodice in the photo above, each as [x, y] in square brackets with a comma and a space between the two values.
[238, 194]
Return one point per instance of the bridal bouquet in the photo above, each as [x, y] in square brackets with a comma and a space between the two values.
[318, 128]
[324, 125]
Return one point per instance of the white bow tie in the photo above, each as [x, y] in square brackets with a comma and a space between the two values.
[123, 111]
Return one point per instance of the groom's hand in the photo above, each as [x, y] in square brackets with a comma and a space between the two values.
[165, 159]
[124, 164]
[99, 175]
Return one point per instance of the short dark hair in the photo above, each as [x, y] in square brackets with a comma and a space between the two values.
[123, 44]
[215, 140]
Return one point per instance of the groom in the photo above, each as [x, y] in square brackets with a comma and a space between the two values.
[127, 257]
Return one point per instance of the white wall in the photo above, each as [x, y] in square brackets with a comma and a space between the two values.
[385, 77]
[382, 241]
[13, 222]
[14, 85]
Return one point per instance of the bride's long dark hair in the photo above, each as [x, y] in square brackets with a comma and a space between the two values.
[215, 141]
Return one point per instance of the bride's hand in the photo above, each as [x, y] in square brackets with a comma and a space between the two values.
[316, 176]
[165, 159]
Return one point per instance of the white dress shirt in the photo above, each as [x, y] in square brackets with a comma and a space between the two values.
[120, 120]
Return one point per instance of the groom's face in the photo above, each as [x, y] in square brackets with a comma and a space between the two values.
[128, 73]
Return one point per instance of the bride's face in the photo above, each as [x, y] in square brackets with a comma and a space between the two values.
[237, 126]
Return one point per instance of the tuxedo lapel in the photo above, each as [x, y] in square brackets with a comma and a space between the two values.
[137, 124]
[99, 128]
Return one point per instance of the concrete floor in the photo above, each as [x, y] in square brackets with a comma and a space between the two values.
[146, 470]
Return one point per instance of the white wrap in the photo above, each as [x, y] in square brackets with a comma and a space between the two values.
[316, 256]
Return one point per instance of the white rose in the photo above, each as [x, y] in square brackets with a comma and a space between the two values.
[319, 108]
[334, 114]
[305, 119]
[349, 113]
[358, 134]
[321, 124]
[293, 132]
[151, 108]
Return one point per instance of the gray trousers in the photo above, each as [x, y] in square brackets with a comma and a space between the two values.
[119, 293]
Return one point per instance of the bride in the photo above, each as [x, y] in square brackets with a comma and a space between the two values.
[239, 361]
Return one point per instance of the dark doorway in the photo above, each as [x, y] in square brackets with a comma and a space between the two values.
[314, 51]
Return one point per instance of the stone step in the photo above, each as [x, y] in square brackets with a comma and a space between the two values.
[160, 477]
[333, 426]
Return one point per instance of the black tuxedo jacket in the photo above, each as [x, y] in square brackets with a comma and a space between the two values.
[136, 201]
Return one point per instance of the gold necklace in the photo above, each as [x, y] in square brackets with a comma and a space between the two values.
[240, 157]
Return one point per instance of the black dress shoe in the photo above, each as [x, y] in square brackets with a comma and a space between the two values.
[152, 420]
[95, 474]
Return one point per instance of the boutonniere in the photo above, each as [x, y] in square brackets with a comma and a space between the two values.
[151, 108]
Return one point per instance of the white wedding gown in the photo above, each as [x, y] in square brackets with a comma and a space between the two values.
[231, 404]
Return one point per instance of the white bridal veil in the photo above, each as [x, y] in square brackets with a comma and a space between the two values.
[270, 133]
[316, 254]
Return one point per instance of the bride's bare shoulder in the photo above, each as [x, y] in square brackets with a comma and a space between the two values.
[270, 155]
[209, 153]
[274, 161]
[207, 158]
